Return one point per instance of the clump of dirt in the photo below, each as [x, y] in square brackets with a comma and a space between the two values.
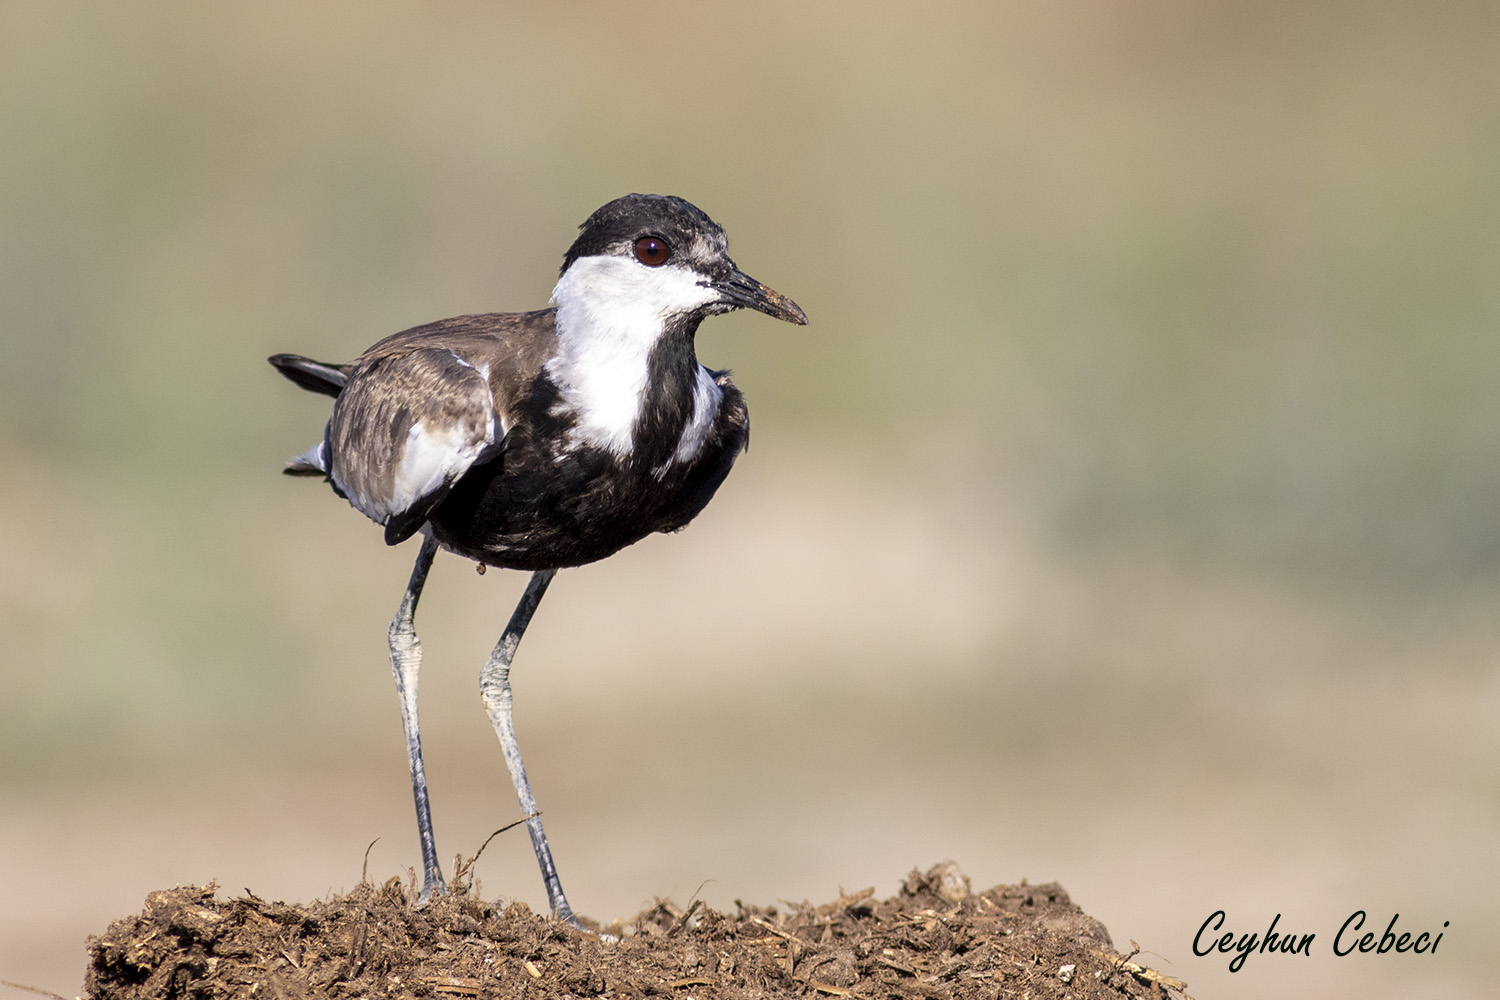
[935, 938]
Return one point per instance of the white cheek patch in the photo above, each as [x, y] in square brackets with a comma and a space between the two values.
[610, 312]
[624, 285]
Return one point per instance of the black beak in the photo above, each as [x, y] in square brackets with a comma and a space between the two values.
[741, 291]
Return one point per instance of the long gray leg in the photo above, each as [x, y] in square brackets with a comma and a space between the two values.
[494, 685]
[406, 661]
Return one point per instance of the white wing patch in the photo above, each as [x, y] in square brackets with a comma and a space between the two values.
[408, 427]
[433, 457]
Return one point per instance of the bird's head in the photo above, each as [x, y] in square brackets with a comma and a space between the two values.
[663, 256]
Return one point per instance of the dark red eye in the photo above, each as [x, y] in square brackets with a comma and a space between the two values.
[652, 251]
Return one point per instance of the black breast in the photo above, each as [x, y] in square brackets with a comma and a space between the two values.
[543, 505]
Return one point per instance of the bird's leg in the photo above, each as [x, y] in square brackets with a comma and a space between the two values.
[494, 685]
[406, 661]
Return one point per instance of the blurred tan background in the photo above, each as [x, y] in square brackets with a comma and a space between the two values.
[1126, 517]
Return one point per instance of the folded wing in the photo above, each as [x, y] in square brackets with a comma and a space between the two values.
[404, 429]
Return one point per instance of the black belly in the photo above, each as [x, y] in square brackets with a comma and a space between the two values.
[527, 511]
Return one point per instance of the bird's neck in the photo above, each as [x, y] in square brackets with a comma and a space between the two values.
[631, 379]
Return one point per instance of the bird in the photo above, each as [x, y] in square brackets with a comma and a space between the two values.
[542, 440]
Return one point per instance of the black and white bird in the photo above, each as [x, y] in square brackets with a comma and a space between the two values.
[542, 440]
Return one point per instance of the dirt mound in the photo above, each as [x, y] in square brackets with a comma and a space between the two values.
[936, 938]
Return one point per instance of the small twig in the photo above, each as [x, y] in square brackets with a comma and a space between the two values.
[32, 989]
[508, 826]
[682, 920]
[455, 986]
[851, 900]
[461, 867]
[757, 921]
[699, 889]
[364, 871]
[891, 963]
[357, 945]
[829, 988]
[1123, 963]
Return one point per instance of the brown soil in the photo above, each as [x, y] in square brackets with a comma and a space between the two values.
[935, 938]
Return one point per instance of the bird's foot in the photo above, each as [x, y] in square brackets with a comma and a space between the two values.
[432, 882]
[567, 916]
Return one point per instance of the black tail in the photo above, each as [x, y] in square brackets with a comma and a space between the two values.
[314, 376]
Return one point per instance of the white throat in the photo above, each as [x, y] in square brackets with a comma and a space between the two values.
[610, 312]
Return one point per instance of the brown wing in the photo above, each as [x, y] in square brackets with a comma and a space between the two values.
[419, 409]
[404, 429]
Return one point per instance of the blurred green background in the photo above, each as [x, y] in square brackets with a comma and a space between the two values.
[1125, 517]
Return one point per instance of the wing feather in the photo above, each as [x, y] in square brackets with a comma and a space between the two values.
[405, 429]
[314, 376]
